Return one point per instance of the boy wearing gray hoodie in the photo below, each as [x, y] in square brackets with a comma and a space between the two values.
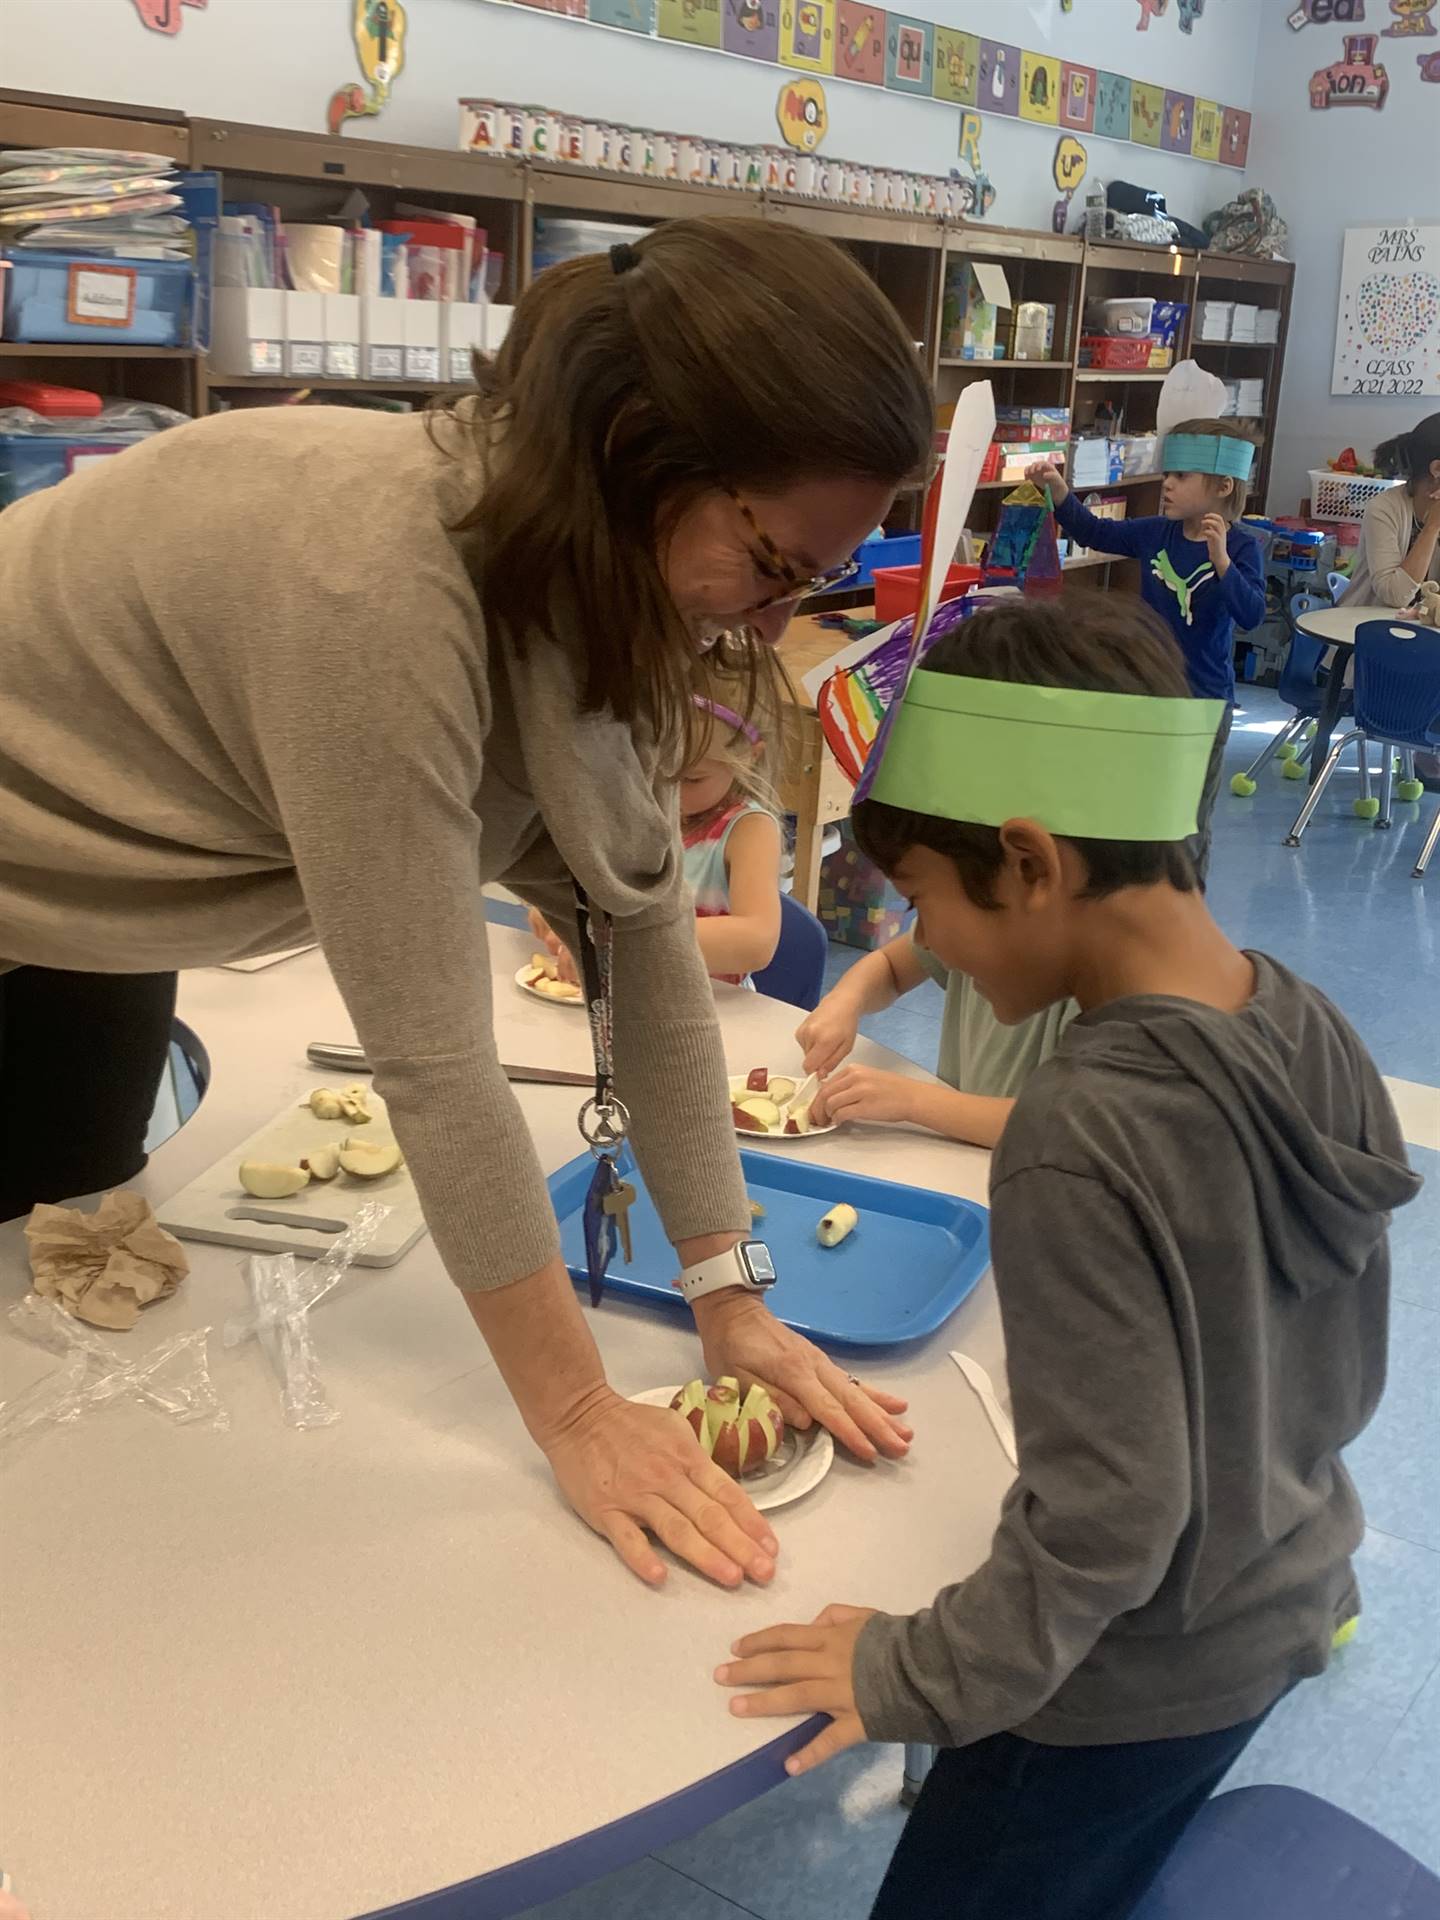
[1188, 1230]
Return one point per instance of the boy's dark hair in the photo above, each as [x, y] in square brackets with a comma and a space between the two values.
[1233, 504]
[1093, 642]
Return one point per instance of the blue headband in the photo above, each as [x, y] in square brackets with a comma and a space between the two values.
[1209, 453]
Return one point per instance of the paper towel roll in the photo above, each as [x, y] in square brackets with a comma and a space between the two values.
[317, 257]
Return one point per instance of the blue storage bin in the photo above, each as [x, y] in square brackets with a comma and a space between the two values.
[894, 550]
[38, 303]
[30, 461]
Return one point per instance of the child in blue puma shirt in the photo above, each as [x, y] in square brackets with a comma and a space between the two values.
[1201, 572]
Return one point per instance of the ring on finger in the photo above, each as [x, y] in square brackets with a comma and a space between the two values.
[853, 1378]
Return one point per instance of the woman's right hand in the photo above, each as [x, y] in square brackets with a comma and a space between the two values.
[1045, 473]
[828, 1034]
[631, 1471]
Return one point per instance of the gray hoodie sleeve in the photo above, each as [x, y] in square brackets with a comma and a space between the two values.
[1103, 1493]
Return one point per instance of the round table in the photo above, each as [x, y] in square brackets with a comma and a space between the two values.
[314, 1674]
[1336, 626]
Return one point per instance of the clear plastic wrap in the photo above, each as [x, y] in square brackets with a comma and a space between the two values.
[173, 1378]
[281, 1296]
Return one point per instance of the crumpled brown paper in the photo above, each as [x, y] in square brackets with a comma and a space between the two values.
[103, 1267]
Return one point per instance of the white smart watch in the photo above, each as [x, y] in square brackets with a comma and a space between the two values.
[747, 1265]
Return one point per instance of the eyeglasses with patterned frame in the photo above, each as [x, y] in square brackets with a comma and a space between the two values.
[795, 585]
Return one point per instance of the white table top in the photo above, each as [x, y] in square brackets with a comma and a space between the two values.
[1337, 625]
[312, 1674]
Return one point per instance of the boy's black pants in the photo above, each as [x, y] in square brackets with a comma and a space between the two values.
[1010, 1830]
[81, 1055]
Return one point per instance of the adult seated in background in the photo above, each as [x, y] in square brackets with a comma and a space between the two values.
[317, 672]
[1400, 535]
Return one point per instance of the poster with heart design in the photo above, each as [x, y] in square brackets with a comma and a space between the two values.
[1387, 331]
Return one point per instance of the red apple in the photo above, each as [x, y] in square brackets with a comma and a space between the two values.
[746, 1122]
[757, 1080]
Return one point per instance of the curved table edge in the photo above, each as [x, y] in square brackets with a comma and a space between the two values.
[527, 1883]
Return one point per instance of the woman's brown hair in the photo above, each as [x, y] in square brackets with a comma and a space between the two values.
[712, 353]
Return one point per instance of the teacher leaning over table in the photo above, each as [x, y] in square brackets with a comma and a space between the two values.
[324, 670]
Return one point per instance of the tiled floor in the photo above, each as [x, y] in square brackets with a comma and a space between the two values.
[1342, 910]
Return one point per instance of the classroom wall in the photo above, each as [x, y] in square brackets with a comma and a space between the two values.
[277, 62]
[1326, 171]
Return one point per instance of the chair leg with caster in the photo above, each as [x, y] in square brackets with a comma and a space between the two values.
[1409, 788]
[1312, 799]
[918, 1761]
[1432, 839]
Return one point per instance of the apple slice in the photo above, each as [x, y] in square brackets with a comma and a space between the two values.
[689, 1403]
[369, 1159]
[722, 1425]
[782, 1089]
[322, 1163]
[762, 1428]
[765, 1111]
[746, 1122]
[758, 1080]
[269, 1180]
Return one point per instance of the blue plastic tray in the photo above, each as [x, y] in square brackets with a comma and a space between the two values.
[909, 1263]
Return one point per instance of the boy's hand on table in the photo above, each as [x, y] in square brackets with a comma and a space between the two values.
[803, 1670]
[828, 1034]
[864, 1093]
[541, 930]
[1215, 531]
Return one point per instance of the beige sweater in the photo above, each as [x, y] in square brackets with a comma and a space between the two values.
[246, 695]
[1387, 534]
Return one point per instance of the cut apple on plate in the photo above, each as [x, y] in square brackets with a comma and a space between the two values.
[740, 1435]
[761, 1109]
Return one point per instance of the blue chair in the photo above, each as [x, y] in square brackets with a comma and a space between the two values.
[1397, 702]
[1339, 585]
[797, 973]
[1301, 687]
[1274, 1853]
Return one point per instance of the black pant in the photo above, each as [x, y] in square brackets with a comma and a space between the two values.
[81, 1055]
[1199, 844]
[1010, 1830]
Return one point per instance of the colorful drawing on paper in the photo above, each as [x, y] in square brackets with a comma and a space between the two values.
[802, 115]
[957, 66]
[1077, 97]
[1149, 10]
[977, 190]
[1190, 12]
[1147, 110]
[750, 28]
[807, 35]
[1387, 333]
[909, 54]
[1355, 80]
[630, 16]
[1177, 127]
[1068, 170]
[378, 28]
[1234, 138]
[1209, 124]
[1040, 89]
[1112, 106]
[695, 23]
[165, 16]
[999, 88]
[1412, 20]
[860, 43]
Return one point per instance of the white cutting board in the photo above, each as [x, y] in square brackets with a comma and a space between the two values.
[309, 1221]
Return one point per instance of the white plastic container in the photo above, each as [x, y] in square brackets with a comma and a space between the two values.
[1129, 318]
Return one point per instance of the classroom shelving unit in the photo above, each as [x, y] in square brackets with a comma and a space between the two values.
[313, 177]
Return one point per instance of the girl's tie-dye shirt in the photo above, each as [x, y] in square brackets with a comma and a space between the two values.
[705, 868]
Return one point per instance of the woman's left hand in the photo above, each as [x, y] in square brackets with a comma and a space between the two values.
[740, 1336]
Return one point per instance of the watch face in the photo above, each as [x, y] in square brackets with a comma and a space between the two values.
[758, 1263]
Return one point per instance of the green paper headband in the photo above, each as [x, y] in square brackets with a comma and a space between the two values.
[1209, 453]
[1092, 766]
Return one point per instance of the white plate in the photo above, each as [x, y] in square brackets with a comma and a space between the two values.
[798, 1468]
[525, 987]
[738, 1090]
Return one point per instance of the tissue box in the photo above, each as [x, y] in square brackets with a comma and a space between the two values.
[858, 905]
[976, 291]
